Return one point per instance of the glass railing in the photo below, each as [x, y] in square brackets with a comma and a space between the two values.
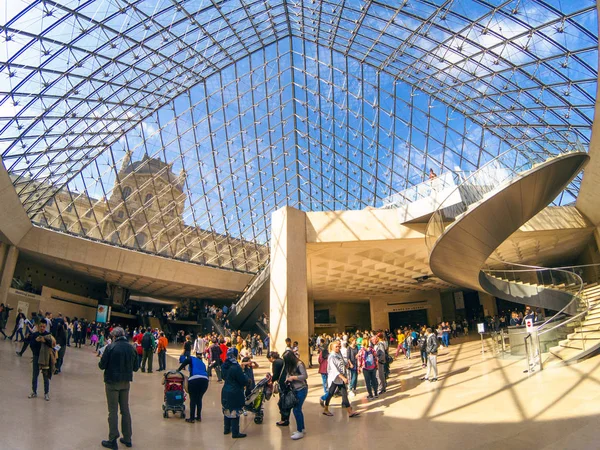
[426, 189]
[496, 174]
[548, 331]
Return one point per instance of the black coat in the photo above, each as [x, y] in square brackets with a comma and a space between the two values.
[232, 395]
[119, 361]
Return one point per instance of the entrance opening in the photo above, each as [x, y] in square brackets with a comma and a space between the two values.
[407, 318]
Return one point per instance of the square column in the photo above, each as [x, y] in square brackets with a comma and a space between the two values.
[289, 316]
[10, 262]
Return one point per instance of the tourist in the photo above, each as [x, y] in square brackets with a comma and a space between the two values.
[118, 361]
[197, 386]
[367, 364]
[161, 351]
[19, 326]
[279, 376]
[3, 319]
[148, 347]
[214, 360]
[296, 377]
[337, 379]
[323, 359]
[232, 394]
[30, 328]
[199, 346]
[187, 346]
[431, 348]
[353, 365]
[381, 360]
[423, 349]
[42, 346]
[61, 340]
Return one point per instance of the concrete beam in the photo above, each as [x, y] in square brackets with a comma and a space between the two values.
[129, 262]
[15, 223]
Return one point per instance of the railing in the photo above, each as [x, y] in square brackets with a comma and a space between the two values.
[492, 177]
[422, 190]
[495, 174]
[250, 290]
[543, 278]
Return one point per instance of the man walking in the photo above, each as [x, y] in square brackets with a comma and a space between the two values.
[148, 346]
[118, 361]
[42, 344]
[161, 350]
[431, 347]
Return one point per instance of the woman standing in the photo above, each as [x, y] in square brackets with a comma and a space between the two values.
[352, 353]
[232, 394]
[197, 386]
[337, 379]
[323, 357]
[296, 377]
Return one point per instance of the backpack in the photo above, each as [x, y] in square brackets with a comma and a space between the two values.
[369, 360]
[147, 341]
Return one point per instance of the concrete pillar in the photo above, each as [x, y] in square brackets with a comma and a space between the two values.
[489, 304]
[3, 252]
[8, 271]
[311, 316]
[289, 311]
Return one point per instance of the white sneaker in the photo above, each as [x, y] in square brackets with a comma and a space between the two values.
[352, 394]
[297, 435]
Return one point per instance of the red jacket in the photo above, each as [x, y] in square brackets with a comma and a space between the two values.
[224, 349]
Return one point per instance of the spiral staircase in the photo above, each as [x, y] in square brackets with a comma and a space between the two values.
[496, 200]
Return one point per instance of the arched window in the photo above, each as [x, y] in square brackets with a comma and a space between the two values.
[120, 214]
[140, 240]
[115, 238]
[126, 192]
[148, 200]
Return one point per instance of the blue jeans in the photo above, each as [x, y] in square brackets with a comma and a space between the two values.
[301, 396]
[353, 379]
[324, 379]
[446, 338]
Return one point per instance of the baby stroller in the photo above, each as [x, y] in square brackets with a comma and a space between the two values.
[174, 393]
[254, 401]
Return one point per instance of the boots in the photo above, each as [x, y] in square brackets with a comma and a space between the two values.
[227, 425]
[235, 429]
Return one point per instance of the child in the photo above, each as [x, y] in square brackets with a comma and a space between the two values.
[101, 341]
[248, 367]
[94, 340]
[101, 350]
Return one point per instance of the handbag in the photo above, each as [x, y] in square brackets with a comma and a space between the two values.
[288, 400]
[275, 388]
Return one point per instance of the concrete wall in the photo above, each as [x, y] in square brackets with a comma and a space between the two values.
[42, 275]
[347, 314]
[379, 307]
[71, 305]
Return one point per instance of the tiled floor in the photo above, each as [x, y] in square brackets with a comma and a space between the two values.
[479, 403]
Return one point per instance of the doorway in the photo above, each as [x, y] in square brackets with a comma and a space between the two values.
[407, 318]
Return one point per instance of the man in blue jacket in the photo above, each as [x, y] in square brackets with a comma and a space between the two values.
[118, 361]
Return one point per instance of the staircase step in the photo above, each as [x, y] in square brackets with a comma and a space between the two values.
[587, 327]
[585, 335]
[565, 353]
[574, 344]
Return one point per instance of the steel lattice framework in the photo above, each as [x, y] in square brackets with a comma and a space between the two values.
[178, 127]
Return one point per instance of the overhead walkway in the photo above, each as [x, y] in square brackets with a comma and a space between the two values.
[496, 200]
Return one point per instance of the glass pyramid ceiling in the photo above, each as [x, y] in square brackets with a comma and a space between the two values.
[178, 127]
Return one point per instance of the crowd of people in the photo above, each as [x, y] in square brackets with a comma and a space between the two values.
[341, 359]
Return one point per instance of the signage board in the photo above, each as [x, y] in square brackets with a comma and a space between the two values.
[481, 327]
[102, 313]
[529, 325]
[407, 307]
